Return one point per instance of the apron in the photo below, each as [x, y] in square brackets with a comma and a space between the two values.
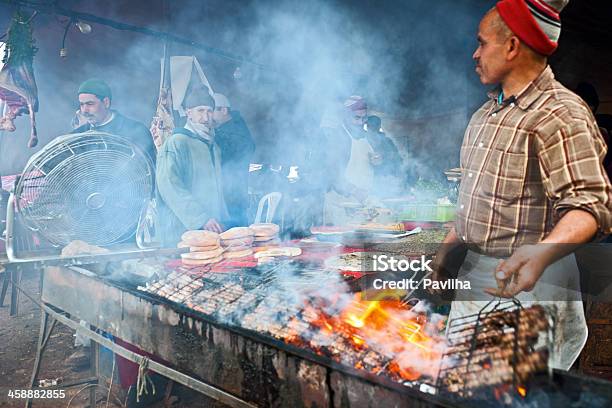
[358, 172]
[557, 290]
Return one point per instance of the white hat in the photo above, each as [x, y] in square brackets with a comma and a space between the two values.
[221, 101]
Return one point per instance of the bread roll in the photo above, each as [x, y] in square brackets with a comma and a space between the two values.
[236, 232]
[204, 248]
[266, 238]
[265, 229]
[203, 255]
[200, 238]
[237, 248]
[237, 254]
[200, 262]
[244, 241]
[194, 248]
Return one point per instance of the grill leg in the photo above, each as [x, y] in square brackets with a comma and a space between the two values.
[43, 337]
[5, 283]
[16, 278]
[94, 358]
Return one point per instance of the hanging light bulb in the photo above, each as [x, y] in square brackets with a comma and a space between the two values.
[83, 27]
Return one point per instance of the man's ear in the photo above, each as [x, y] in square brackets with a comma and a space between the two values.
[513, 45]
[106, 101]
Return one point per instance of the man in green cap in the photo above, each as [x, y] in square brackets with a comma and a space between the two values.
[95, 99]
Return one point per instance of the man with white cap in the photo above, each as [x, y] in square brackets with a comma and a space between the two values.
[189, 174]
[237, 147]
[350, 159]
[533, 185]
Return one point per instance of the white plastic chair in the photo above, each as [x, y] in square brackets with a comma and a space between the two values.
[271, 200]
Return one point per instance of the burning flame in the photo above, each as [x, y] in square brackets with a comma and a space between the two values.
[522, 391]
[386, 327]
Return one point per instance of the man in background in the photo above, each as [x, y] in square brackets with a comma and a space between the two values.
[95, 100]
[236, 147]
[387, 161]
[349, 159]
[189, 174]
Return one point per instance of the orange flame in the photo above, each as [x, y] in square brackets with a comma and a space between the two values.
[522, 391]
[386, 323]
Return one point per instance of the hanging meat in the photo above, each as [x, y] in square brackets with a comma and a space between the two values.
[17, 84]
[162, 124]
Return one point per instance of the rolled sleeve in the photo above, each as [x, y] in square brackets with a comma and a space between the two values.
[572, 172]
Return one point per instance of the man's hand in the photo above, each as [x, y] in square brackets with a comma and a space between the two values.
[439, 274]
[213, 225]
[442, 261]
[521, 271]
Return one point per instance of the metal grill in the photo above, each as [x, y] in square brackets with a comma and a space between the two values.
[259, 299]
[497, 351]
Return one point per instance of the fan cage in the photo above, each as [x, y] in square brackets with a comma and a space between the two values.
[90, 186]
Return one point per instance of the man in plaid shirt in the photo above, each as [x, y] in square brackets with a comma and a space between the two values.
[531, 165]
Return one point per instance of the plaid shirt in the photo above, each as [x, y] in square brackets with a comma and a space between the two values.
[525, 163]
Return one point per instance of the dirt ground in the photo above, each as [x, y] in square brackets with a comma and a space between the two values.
[18, 340]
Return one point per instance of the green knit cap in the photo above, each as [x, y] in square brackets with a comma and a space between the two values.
[97, 87]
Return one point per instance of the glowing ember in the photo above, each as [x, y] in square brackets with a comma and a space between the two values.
[406, 344]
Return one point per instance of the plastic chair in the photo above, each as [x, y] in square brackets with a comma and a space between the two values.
[271, 200]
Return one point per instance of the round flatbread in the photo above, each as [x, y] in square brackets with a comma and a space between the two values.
[267, 238]
[244, 241]
[237, 248]
[182, 244]
[276, 252]
[200, 238]
[204, 248]
[203, 255]
[200, 262]
[265, 229]
[237, 254]
[236, 232]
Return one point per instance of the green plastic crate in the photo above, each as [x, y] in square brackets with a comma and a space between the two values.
[428, 212]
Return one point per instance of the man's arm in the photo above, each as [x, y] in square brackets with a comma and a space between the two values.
[442, 261]
[522, 270]
[570, 162]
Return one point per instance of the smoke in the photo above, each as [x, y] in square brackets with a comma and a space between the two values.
[411, 61]
[315, 307]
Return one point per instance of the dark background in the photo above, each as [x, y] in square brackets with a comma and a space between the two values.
[410, 59]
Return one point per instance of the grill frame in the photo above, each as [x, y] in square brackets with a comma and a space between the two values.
[477, 323]
[170, 324]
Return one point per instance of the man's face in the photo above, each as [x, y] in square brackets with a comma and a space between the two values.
[94, 109]
[357, 118]
[200, 114]
[220, 115]
[490, 56]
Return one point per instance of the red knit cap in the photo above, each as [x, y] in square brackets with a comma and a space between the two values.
[535, 22]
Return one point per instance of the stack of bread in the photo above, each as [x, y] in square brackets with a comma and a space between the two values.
[204, 248]
[266, 235]
[237, 242]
